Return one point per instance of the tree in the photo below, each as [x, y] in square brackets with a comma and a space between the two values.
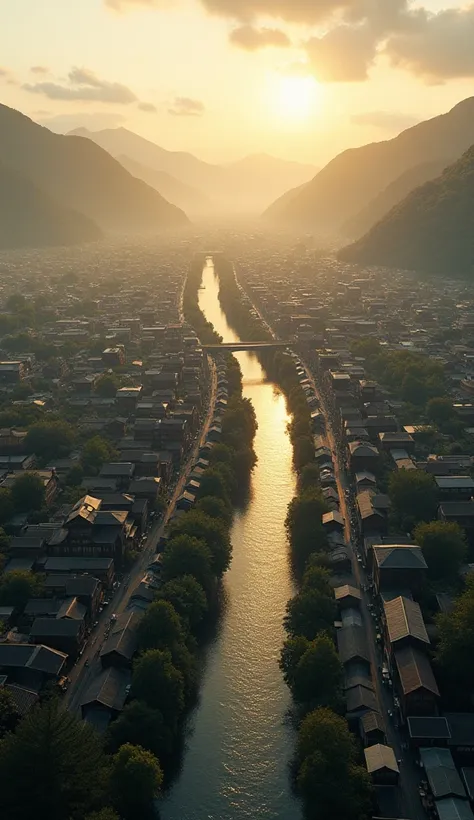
[160, 627]
[17, 587]
[413, 495]
[309, 613]
[103, 814]
[444, 547]
[7, 508]
[95, 453]
[317, 677]
[440, 411]
[28, 492]
[455, 650]
[4, 541]
[213, 483]
[107, 386]
[309, 478]
[142, 726]
[50, 439]
[331, 782]
[60, 758]
[188, 598]
[135, 780]
[188, 556]
[9, 714]
[215, 508]
[158, 683]
[304, 526]
[318, 579]
[210, 530]
[303, 451]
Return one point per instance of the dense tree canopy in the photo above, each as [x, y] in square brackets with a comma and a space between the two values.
[455, 650]
[158, 683]
[312, 670]
[440, 410]
[135, 781]
[188, 556]
[413, 495]
[59, 758]
[304, 526]
[140, 725]
[309, 613]
[50, 439]
[17, 587]
[212, 532]
[188, 598]
[160, 627]
[328, 776]
[444, 547]
[28, 492]
[6, 505]
[96, 452]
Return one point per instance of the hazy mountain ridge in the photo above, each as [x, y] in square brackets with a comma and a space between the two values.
[432, 229]
[355, 177]
[189, 199]
[31, 218]
[392, 195]
[250, 183]
[81, 176]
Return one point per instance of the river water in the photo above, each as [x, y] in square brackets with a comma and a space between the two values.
[236, 761]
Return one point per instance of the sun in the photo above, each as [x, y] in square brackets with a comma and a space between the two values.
[296, 97]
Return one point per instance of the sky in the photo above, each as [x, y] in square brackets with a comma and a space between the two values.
[299, 79]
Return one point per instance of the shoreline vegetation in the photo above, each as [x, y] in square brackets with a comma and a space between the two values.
[73, 772]
[327, 769]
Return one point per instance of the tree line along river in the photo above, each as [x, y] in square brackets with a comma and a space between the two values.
[240, 742]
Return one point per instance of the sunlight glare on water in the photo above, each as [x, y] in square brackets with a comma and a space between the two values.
[236, 762]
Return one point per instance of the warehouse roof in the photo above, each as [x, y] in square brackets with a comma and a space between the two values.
[404, 620]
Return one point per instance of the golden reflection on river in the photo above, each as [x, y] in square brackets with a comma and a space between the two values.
[236, 761]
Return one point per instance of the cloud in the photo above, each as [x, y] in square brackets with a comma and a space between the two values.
[295, 11]
[186, 107]
[148, 107]
[84, 85]
[62, 123]
[251, 38]
[121, 5]
[39, 69]
[4, 72]
[440, 48]
[344, 54]
[386, 120]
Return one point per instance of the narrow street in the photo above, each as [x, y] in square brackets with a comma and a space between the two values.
[88, 665]
[411, 806]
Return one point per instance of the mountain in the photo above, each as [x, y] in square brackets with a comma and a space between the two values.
[247, 185]
[431, 230]
[183, 166]
[352, 179]
[78, 174]
[191, 200]
[391, 196]
[31, 218]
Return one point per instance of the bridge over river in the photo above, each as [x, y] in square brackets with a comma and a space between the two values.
[236, 347]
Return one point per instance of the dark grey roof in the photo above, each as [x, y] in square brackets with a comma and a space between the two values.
[399, 556]
[24, 699]
[55, 627]
[457, 508]
[454, 808]
[441, 772]
[122, 638]
[404, 619]
[461, 726]
[352, 643]
[436, 728]
[454, 482]
[39, 658]
[108, 689]
[359, 697]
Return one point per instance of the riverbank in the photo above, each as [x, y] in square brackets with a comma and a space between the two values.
[237, 758]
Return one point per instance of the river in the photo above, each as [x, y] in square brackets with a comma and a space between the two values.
[237, 755]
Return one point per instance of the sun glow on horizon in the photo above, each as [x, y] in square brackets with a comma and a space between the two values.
[295, 98]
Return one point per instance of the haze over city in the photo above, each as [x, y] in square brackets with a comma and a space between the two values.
[236, 410]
